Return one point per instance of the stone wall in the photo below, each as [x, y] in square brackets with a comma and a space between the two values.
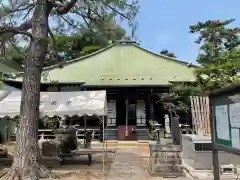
[202, 160]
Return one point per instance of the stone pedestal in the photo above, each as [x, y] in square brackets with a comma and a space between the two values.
[49, 148]
[165, 160]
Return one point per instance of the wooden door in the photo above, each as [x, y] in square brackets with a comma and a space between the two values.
[130, 135]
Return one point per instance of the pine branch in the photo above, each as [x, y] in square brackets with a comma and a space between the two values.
[66, 7]
[14, 31]
[115, 10]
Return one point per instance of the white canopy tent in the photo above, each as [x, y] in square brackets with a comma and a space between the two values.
[80, 103]
[10, 104]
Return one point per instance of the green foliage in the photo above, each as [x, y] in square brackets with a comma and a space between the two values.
[49, 123]
[181, 93]
[41, 124]
[178, 99]
[68, 47]
[89, 49]
[215, 38]
[88, 27]
[151, 135]
[218, 76]
[89, 38]
[167, 53]
[219, 54]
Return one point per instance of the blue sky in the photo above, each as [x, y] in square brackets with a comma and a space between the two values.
[164, 24]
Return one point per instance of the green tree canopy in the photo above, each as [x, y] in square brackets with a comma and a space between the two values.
[219, 54]
[215, 38]
[89, 38]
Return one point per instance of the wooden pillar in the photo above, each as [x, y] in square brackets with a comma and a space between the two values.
[101, 131]
[85, 130]
[215, 159]
[126, 127]
[151, 108]
[176, 133]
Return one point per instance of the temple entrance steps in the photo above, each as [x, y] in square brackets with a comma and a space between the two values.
[126, 166]
[119, 144]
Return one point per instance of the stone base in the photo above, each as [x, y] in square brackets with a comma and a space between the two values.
[165, 170]
[165, 160]
[167, 136]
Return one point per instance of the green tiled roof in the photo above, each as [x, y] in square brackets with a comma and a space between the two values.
[121, 64]
[10, 66]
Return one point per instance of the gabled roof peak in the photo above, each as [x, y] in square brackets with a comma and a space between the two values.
[127, 42]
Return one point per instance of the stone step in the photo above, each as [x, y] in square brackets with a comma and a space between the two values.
[176, 176]
[165, 170]
[165, 148]
[173, 161]
[165, 154]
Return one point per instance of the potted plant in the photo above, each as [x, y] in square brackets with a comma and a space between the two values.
[151, 128]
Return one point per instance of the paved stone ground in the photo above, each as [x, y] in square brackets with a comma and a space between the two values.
[209, 176]
[126, 166]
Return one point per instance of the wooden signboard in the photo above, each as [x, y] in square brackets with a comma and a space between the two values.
[225, 123]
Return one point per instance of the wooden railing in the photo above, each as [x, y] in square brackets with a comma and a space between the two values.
[48, 133]
[94, 131]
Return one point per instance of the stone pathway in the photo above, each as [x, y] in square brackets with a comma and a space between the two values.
[126, 166]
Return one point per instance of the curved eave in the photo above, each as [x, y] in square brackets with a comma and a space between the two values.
[45, 83]
[189, 81]
[235, 88]
[129, 86]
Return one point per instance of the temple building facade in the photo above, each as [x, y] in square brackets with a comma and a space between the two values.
[132, 77]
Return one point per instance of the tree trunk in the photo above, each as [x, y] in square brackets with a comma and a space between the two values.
[26, 159]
